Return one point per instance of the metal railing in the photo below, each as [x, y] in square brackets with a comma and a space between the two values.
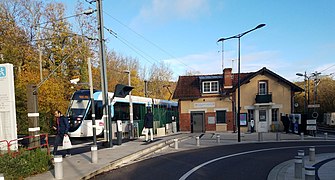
[44, 138]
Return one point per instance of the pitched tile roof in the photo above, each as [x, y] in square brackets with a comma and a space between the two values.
[188, 87]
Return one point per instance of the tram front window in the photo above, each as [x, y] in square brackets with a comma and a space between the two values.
[77, 112]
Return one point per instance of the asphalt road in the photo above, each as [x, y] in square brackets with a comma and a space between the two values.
[238, 162]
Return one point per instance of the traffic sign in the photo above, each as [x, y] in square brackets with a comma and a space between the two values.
[313, 105]
[311, 121]
[311, 127]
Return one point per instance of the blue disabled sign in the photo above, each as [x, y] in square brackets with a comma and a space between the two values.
[2, 71]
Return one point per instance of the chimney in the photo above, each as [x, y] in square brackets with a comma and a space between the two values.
[228, 78]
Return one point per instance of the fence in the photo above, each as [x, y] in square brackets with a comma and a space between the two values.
[28, 142]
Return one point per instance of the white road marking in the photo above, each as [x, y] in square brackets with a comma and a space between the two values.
[186, 175]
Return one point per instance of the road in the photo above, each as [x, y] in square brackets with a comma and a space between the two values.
[243, 161]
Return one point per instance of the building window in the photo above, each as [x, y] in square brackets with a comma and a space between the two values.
[210, 87]
[262, 88]
[221, 117]
[275, 114]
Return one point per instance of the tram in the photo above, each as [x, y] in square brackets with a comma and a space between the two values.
[79, 112]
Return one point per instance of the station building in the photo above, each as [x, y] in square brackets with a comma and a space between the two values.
[208, 103]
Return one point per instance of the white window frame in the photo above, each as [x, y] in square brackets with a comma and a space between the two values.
[265, 88]
[211, 86]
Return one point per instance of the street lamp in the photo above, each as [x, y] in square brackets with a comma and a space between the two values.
[238, 36]
[131, 114]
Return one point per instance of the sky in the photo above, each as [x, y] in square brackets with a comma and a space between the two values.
[298, 36]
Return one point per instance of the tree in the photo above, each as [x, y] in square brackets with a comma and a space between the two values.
[159, 76]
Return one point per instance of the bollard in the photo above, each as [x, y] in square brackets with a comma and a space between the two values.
[58, 167]
[218, 139]
[309, 173]
[298, 167]
[278, 136]
[2, 177]
[197, 140]
[94, 153]
[302, 136]
[312, 153]
[175, 143]
[260, 136]
[301, 153]
[326, 136]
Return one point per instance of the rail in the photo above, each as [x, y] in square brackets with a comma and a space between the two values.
[29, 142]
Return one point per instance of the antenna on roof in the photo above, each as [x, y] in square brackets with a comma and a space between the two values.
[222, 57]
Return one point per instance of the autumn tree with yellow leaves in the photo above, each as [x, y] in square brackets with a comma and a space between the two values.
[38, 39]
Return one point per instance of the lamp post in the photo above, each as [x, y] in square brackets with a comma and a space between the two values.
[131, 114]
[238, 36]
[92, 102]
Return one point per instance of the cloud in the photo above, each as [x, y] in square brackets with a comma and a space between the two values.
[205, 63]
[161, 11]
[210, 63]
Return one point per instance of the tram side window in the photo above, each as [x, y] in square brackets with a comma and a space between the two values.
[121, 111]
[98, 111]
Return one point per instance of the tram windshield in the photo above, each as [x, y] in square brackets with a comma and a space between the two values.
[78, 108]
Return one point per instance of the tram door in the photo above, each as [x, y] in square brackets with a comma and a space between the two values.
[197, 122]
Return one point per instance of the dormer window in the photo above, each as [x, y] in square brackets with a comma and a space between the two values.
[210, 86]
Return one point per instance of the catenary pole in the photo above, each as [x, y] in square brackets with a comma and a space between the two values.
[108, 125]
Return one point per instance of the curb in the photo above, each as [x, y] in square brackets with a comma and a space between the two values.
[124, 160]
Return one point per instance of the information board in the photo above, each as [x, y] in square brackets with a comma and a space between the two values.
[8, 129]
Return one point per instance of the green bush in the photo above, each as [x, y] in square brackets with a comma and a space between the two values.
[25, 163]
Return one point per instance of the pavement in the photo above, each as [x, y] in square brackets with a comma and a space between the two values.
[80, 166]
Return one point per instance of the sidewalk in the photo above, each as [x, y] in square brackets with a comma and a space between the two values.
[80, 167]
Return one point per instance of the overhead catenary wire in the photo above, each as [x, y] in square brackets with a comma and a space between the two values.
[150, 42]
[141, 36]
[328, 68]
[53, 71]
[130, 45]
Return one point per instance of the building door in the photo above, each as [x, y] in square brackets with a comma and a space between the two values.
[263, 121]
[197, 122]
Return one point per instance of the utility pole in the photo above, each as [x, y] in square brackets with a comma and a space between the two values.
[106, 102]
[40, 53]
[316, 83]
[145, 88]
[33, 115]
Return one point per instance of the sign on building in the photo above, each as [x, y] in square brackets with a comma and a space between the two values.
[8, 129]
